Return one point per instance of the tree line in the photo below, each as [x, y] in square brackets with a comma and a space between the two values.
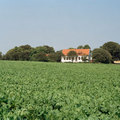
[28, 53]
[41, 53]
[107, 53]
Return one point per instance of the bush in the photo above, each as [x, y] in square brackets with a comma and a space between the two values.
[101, 55]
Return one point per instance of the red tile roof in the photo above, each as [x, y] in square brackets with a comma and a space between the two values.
[80, 52]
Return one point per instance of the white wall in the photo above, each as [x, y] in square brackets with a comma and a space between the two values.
[69, 59]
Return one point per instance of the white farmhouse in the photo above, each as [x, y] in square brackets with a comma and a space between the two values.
[81, 54]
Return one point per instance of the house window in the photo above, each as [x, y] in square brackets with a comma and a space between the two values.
[64, 58]
[79, 58]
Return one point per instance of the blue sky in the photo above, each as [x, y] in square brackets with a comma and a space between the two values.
[58, 23]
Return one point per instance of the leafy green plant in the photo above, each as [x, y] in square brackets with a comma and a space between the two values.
[52, 91]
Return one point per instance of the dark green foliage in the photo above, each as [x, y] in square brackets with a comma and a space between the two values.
[51, 91]
[86, 47]
[49, 49]
[43, 49]
[41, 53]
[113, 48]
[71, 48]
[39, 57]
[19, 53]
[83, 47]
[13, 54]
[55, 57]
[72, 53]
[47, 53]
[84, 58]
[58, 56]
[25, 52]
[80, 47]
[101, 55]
[25, 47]
[52, 57]
[25, 55]
[1, 56]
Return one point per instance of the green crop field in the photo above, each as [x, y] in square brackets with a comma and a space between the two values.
[59, 91]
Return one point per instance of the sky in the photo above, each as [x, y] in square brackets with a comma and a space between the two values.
[58, 23]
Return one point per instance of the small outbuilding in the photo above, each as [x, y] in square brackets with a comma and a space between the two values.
[117, 62]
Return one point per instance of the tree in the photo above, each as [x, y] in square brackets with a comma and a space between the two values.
[71, 48]
[55, 57]
[80, 47]
[47, 50]
[39, 57]
[26, 47]
[84, 58]
[25, 52]
[83, 47]
[52, 57]
[3, 57]
[101, 55]
[0, 55]
[113, 48]
[12, 54]
[59, 54]
[72, 54]
[44, 49]
[19, 53]
[86, 47]
[24, 55]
